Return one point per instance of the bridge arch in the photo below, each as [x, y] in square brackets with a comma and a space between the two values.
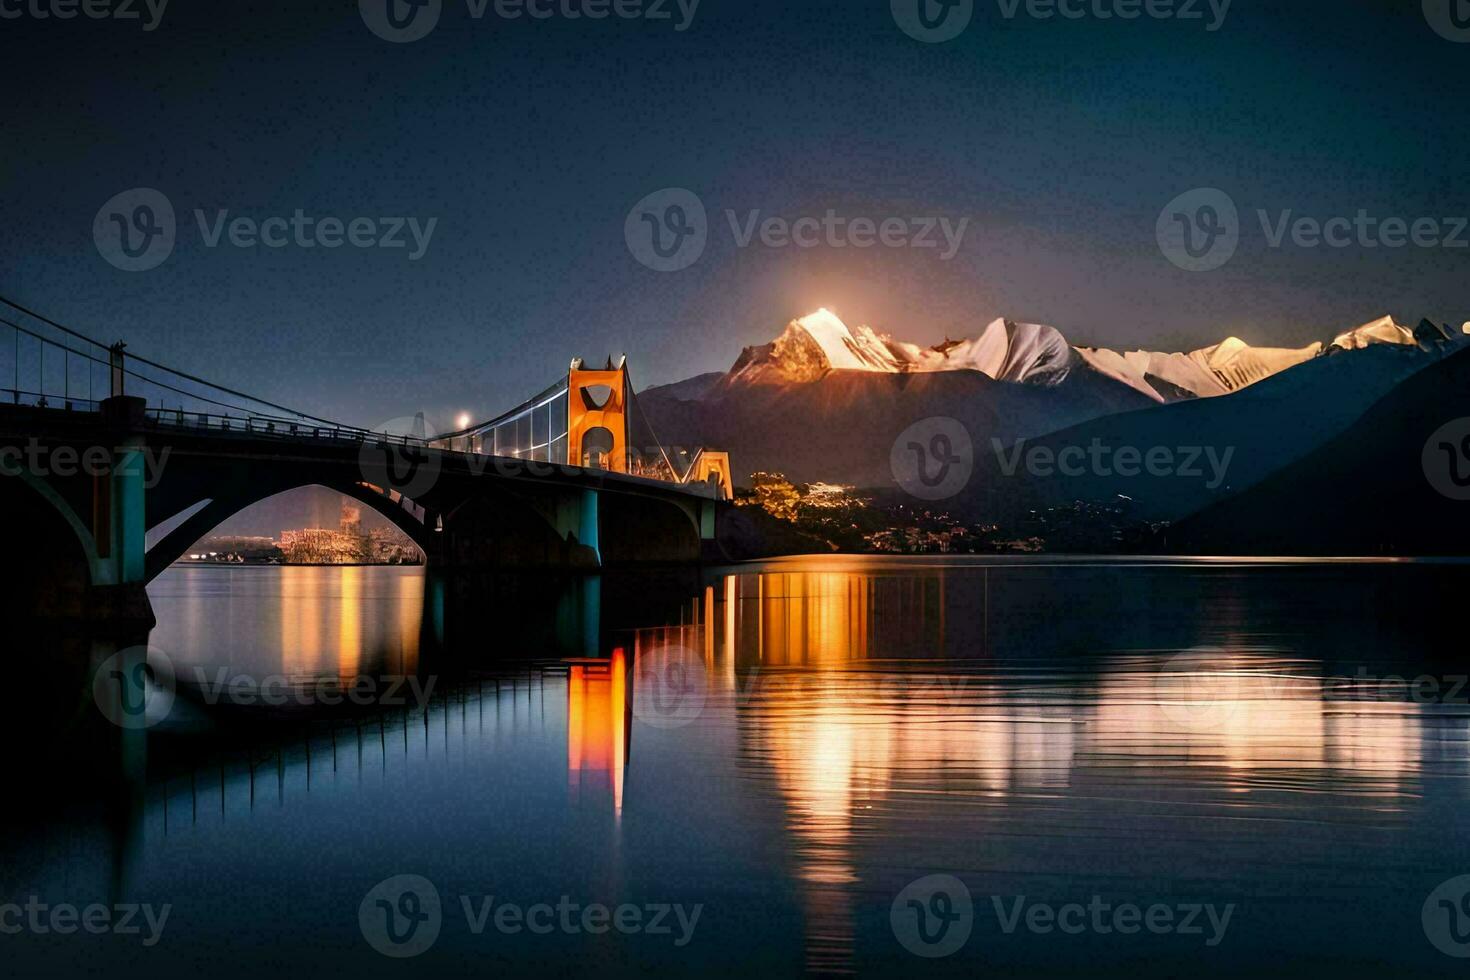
[494, 527]
[597, 447]
[640, 529]
[43, 528]
[177, 542]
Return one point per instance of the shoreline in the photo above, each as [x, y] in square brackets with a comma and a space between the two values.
[294, 564]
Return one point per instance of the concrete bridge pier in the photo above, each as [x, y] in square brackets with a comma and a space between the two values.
[575, 517]
[119, 519]
[579, 617]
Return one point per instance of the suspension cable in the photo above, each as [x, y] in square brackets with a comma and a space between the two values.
[162, 367]
[633, 397]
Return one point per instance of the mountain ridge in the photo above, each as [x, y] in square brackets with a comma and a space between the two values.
[825, 403]
[1032, 353]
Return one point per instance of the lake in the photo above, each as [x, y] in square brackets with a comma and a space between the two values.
[832, 765]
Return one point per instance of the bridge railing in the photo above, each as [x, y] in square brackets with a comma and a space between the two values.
[269, 427]
[37, 399]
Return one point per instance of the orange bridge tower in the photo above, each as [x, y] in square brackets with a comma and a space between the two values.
[597, 416]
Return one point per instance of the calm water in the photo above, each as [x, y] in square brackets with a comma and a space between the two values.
[783, 751]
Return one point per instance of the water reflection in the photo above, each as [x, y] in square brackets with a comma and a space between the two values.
[792, 744]
[307, 623]
[599, 726]
[901, 713]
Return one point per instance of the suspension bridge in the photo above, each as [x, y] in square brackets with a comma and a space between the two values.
[118, 464]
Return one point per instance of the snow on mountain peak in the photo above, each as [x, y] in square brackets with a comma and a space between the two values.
[820, 342]
[1030, 353]
[809, 348]
[844, 349]
[1381, 331]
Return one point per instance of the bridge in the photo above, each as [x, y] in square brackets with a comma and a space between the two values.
[118, 465]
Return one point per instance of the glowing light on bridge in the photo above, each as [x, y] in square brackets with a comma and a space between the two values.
[587, 419]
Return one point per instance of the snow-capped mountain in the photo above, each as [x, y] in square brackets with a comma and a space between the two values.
[1228, 366]
[1366, 491]
[1031, 353]
[825, 402]
[813, 345]
[1233, 364]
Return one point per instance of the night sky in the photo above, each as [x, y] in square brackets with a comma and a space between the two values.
[529, 141]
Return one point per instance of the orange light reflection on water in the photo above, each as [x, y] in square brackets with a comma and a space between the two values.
[814, 671]
[597, 727]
